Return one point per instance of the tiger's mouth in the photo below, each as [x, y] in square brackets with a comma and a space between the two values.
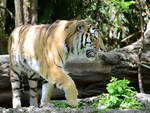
[90, 53]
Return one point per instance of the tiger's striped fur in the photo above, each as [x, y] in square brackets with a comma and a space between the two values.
[43, 50]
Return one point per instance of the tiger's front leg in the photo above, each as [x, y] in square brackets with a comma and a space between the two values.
[63, 81]
[47, 89]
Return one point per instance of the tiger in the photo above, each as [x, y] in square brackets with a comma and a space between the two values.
[42, 51]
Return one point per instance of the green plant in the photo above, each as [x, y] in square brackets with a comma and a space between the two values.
[59, 104]
[122, 5]
[120, 96]
[115, 18]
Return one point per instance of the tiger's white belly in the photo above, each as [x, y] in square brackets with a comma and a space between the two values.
[33, 64]
[26, 64]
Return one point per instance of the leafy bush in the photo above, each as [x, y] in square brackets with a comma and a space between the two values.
[120, 96]
[59, 104]
[116, 20]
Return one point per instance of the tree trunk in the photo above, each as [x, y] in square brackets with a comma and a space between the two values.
[30, 12]
[19, 19]
[34, 14]
[26, 10]
[3, 39]
[3, 15]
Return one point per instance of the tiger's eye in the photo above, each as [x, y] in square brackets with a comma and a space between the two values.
[93, 28]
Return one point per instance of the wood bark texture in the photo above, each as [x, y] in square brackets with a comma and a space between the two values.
[26, 11]
[3, 14]
[18, 12]
[34, 14]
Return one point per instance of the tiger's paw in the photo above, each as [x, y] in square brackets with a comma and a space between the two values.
[90, 53]
[73, 103]
[16, 103]
[72, 99]
[51, 105]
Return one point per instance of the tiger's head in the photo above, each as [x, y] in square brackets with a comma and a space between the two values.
[90, 39]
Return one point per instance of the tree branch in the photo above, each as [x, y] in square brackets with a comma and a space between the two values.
[10, 13]
[140, 49]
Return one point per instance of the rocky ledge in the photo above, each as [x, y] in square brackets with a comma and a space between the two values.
[143, 98]
[58, 110]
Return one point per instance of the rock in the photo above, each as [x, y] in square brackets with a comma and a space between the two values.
[54, 110]
[144, 99]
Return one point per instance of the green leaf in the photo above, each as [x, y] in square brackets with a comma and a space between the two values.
[111, 91]
[28, 4]
[120, 89]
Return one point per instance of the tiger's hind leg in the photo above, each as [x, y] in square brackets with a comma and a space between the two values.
[47, 89]
[16, 85]
[33, 82]
[63, 81]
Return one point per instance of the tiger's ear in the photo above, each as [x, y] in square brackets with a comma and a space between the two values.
[79, 26]
[70, 28]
